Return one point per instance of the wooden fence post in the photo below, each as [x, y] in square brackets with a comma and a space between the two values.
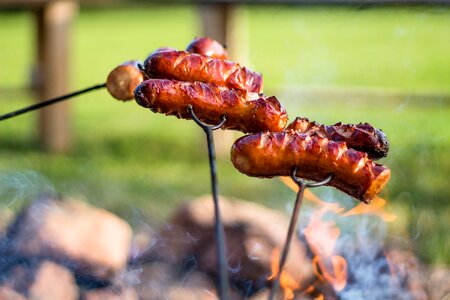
[53, 44]
[226, 23]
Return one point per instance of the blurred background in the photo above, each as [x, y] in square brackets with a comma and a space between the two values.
[387, 65]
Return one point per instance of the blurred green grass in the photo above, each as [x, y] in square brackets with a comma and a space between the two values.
[398, 49]
[135, 162]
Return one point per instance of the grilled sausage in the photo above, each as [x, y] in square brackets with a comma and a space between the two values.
[184, 66]
[244, 111]
[207, 47]
[123, 80]
[362, 137]
[269, 154]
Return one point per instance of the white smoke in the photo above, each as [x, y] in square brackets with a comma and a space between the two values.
[19, 187]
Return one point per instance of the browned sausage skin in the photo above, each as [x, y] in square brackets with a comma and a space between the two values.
[269, 154]
[123, 79]
[163, 49]
[184, 66]
[207, 47]
[247, 112]
[362, 137]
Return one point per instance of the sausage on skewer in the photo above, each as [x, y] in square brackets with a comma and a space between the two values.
[123, 80]
[185, 66]
[268, 154]
[247, 112]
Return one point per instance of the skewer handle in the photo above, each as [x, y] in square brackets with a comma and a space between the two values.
[50, 102]
[223, 285]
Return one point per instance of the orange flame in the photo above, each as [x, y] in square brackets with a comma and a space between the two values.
[321, 237]
[332, 270]
[287, 282]
[376, 207]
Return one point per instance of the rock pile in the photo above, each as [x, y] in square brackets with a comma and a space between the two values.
[66, 249]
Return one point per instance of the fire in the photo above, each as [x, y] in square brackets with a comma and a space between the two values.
[332, 270]
[334, 207]
[317, 230]
[321, 236]
[376, 207]
[287, 282]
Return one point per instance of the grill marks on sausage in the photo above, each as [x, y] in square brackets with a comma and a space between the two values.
[271, 154]
[185, 66]
[247, 112]
[362, 137]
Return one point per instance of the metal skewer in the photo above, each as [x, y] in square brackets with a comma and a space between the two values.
[50, 101]
[302, 185]
[223, 286]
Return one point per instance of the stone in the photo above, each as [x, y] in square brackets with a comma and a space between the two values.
[91, 241]
[7, 293]
[438, 282]
[408, 272]
[154, 279]
[111, 293]
[38, 280]
[187, 293]
[160, 281]
[53, 282]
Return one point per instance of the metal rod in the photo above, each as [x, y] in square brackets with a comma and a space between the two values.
[223, 286]
[50, 102]
[302, 185]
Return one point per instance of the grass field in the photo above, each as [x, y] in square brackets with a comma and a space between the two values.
[138, 163]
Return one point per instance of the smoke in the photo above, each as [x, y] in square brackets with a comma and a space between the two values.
[362, 245]
[18, 187]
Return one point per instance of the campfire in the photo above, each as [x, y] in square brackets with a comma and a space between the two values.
[69, 249]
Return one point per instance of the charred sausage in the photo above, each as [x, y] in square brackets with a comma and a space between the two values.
[207, 47]
[362, 137]
[247, 112]
[269, 154]
[184, 66]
